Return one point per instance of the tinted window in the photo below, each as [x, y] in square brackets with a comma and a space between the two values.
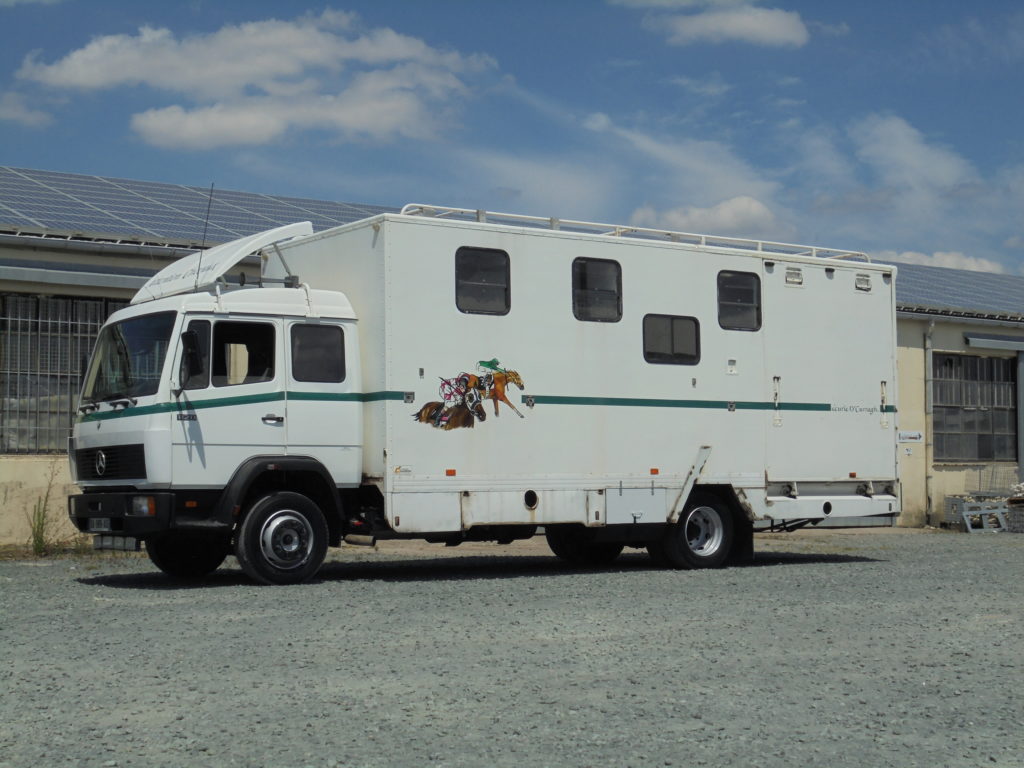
[739, 301]
[597, 290]
[671, 339]
[482, 281]
[243, 353]
[318, 353]
[195, 363]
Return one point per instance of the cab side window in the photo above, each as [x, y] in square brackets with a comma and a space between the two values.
[195, 363]
[318, 353]
[243, 353]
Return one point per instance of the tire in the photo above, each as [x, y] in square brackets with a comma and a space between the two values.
[282, 539]
[702, 538]
[187, 556]
[571, 545]
[657, 553]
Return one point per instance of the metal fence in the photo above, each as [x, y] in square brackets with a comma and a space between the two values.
[44, 347]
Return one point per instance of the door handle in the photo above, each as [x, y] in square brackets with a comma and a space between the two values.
[272, 418]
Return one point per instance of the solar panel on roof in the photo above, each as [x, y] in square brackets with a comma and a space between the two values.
[173, 213]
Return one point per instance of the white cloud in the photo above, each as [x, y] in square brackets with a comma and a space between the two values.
[948, 259]
[675, 3]
[690, 169]
[544, 185]
[832, 30]
[737, 217]
[251, 83]
[256, 55]
[820, 159]
[379, 105]
[13, 108]
[998, 39]
[740, 23]
[712, 85]
[902, 157]
[598, 121]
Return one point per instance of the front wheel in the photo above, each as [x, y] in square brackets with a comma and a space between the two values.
[701, 539]
[282, 540]
[186, 556]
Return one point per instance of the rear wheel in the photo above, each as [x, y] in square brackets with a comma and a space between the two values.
[282, 540]
[187, 556]
[701, 539]
[572, 545]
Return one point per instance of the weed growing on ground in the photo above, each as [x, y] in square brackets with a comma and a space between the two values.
[43, 539]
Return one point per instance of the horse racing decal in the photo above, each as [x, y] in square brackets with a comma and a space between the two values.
[463, 397]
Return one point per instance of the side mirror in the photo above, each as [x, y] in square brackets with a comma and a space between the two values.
[191, 360]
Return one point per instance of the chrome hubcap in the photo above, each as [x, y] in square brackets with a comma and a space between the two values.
[704, 531]
[286, 539]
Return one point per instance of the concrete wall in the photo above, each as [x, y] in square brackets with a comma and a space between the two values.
[24, 481]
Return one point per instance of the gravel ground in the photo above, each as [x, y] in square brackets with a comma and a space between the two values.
[834, 648]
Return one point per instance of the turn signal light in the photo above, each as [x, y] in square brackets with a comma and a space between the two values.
[449, 473]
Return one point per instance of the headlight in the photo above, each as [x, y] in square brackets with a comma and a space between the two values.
[143, 506]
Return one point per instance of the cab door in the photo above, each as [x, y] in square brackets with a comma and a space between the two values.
[324, 414]
[232, 404]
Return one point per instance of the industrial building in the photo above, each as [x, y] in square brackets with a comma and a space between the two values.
[74, 248]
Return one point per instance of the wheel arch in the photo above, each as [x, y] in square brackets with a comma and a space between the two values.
[742, 517]
[260, 475]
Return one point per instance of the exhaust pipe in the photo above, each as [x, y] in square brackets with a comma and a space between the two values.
[360, 540]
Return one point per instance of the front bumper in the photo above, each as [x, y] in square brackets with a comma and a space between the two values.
[112, 513]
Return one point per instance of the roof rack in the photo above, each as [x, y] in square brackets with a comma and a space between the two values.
[618, 230]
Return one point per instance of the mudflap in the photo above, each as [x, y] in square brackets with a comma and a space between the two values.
[742, 550]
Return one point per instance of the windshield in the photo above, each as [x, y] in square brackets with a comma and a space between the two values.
[129, 357]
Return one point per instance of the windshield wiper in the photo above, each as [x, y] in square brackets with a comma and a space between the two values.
[120, 398]
[89, 407]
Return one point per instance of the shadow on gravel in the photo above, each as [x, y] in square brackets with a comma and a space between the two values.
[762, 559]
[452, 569]
[158, 581]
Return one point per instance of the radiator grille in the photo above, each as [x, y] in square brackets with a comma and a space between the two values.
[119, 462]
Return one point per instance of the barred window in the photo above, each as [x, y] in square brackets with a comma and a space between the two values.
[45, 343]
[975, 408]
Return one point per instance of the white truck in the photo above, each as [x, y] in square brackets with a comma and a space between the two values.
[456, 375]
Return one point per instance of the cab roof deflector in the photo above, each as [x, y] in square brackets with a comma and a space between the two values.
[202, 269]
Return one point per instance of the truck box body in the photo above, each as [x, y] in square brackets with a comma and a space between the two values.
[798, 413]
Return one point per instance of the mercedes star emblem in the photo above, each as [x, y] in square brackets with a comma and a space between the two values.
[101, 463]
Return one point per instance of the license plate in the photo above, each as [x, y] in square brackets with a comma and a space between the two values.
[99, 524]
[116, 543]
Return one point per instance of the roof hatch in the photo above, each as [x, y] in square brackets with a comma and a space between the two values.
[203, 268]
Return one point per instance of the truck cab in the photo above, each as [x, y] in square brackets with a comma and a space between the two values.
[204, 411]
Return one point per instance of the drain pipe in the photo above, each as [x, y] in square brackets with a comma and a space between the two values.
[929, 439]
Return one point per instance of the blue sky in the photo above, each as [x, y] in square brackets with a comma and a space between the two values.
[888, 127]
